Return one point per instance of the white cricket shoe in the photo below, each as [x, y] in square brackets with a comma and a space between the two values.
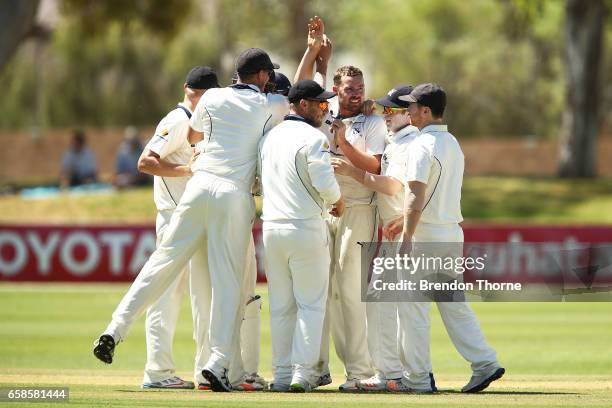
[351, 385]
[175, 382]
[374, 383]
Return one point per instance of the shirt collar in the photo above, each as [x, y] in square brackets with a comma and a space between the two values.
[252, 86]
[433, 127]
[185, 106]
[402, 133]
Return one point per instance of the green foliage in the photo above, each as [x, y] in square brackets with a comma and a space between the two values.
[115, 63]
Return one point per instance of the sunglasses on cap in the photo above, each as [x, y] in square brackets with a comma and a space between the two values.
[387, 110]
[323, 105]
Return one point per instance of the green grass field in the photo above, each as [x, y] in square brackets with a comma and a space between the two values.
[556, 354]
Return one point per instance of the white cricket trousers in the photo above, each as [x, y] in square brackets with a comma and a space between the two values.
[215, 212]
[162, 316]
[346, 313]
[297, 270]
[458, 317]
[245, 354]
[383, 337]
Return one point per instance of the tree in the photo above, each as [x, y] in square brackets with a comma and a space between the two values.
[584, 23]
[17, 22]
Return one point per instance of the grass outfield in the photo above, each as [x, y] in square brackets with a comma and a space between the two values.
[490, 199]
[556, 354]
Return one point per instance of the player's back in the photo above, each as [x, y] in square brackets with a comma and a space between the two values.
[296, 174]
[233, 120]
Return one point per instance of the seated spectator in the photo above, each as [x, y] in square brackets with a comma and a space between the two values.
[126, 165]
[79, 163]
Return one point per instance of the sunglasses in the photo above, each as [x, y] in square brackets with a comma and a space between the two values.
[389, 111]
[323, 105]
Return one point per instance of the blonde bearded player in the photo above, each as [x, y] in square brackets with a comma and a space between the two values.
[382, 315]
[360, 139]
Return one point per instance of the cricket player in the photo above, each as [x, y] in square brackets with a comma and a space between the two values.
[431, 220]
[298, 183]
[382, 316]
[243, 370]
[168, 157]
[360, 139]
[216, 210]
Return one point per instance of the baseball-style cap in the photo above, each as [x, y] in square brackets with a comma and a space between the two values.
[202, 78]
[281, 82]
[308, 89]
[428, 94]
[392, 99]
[253, 60]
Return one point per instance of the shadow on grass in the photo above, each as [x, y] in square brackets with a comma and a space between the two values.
[440, 392]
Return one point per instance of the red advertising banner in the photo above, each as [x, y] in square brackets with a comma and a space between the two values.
[91, 253]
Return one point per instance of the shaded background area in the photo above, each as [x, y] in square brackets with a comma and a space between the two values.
[514, 69]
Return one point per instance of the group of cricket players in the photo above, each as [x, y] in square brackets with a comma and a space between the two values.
[331, 171]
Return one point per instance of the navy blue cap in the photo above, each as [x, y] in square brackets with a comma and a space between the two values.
[392, 99]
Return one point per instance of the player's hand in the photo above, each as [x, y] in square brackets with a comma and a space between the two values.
[315, 33]
[338, 208]
[325, 52]
[341, 166]
[194, 156]
[338, 129]
[392, 230]
[369, 107]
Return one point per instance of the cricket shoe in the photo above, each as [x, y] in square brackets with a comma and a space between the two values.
[104, 348]
[479, 382]
[279, 387]
[401, 386]
[175, 382]
[351, 385]
[204, 386]
[218, 381]
[324, 380]
[250, 383]
[300, 386]
[374, 383]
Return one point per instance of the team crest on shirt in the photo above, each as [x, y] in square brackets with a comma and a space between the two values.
[164, 132]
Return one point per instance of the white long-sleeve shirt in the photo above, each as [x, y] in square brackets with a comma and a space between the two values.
[296, 174]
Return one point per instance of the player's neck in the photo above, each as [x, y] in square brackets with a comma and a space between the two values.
[347, 113]
[188, 104]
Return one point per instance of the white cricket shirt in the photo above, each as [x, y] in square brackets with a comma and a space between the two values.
[393, 164]
[436, 159]
[297, 177]
[171, 144]
[233, 120]
[365, 133]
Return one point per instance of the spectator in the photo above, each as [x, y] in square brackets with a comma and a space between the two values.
[126, 165]
[79, 163]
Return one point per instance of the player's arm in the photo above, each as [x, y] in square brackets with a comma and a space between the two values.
[322, 61]
[382, 184]
[361, 160]
[305, 69]
[151, 163]
[194, 136]
[413, 208]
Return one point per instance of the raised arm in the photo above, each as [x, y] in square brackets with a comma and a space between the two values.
[314, 42]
